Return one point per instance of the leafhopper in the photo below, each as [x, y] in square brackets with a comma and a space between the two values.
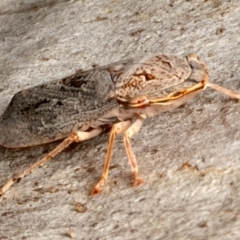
[118, 96]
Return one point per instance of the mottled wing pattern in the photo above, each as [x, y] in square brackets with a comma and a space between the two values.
[52, 111]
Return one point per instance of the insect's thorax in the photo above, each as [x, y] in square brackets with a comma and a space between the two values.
[159, 83]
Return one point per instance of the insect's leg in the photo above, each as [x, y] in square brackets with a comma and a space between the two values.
[116, 128]
[74, 137]
[228, 92]
[134, 128]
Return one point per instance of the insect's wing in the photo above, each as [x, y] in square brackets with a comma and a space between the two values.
[52, 111]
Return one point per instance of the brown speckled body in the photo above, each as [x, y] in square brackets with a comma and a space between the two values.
[88, 99]
[118, 96]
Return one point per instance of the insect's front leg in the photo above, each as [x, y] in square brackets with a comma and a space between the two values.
[128, 129]
[74, 137]
[134, 128]
[228, 92]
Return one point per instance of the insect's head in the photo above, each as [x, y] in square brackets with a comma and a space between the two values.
[193, 57]
[199, 69]
[159, 78]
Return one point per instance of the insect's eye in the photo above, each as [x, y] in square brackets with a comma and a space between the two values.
[193, 56]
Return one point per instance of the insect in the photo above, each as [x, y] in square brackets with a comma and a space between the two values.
[118, 96]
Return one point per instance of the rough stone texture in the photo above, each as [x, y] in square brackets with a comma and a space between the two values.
[45, 40]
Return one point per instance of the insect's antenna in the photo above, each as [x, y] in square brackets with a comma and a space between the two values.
[228, 92]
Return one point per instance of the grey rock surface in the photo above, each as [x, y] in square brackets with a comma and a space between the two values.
[189, 158]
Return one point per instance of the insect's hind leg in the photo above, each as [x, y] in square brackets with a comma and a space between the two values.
[74, 137]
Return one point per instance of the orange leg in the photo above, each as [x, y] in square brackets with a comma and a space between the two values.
[116, 128]
[74, 137]
[133, 129]
[226, 91]
[128, 129]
